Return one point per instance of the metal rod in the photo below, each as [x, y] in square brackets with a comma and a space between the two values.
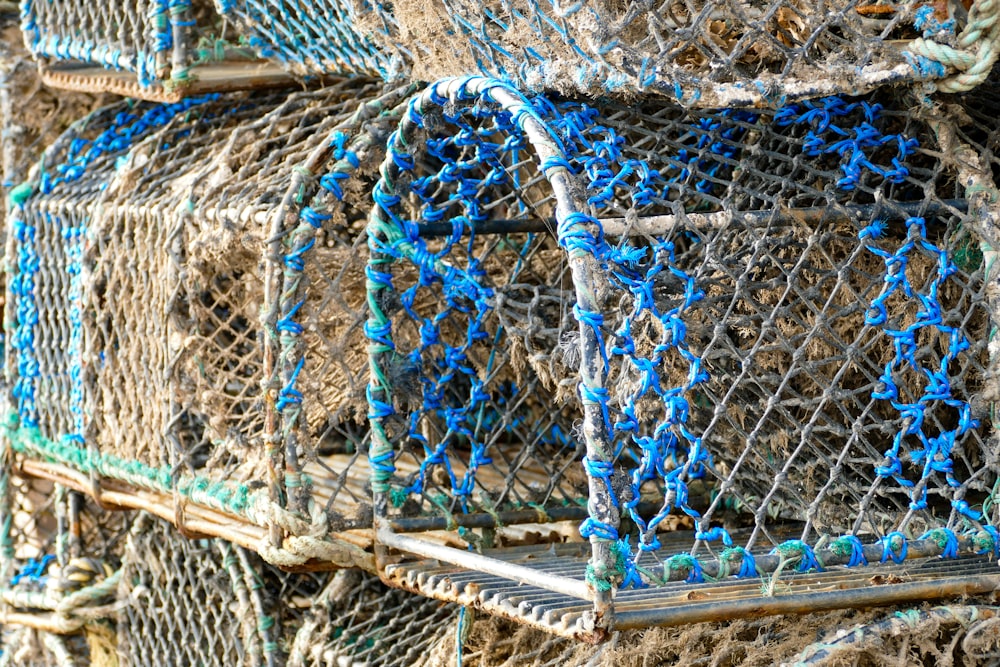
[663, 224]
[698, 612]
[768, 563]
[423, 524]
[507, 518]
[474, 561]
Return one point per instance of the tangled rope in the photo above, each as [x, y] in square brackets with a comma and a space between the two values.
[978, 46]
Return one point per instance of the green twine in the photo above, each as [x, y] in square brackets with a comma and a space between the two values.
[603, 579]
[20, 194]
[225, 496]
[397, 497]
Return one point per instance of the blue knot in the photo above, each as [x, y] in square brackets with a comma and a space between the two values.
[894, 547]
[799, 552]
[857, 556]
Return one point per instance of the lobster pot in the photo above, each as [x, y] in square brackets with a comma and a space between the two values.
[795, 324]
[703, 53]
[356, 619]
[780, 338]
[152, 49]
[150, 347]
[51, 525]
[33, 116]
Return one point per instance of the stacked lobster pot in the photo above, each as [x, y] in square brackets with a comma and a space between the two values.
[641, 316]
[60, 557]
[210, 602]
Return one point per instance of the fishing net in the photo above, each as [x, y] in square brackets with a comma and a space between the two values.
[162, 44]
[209, 602]
[802, 335]
[960, 634]
[706, 53]
[780, 324]
[146, 336]
[317, 36]
[33, 115]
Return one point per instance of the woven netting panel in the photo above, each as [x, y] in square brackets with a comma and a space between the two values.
[780, 319]
[57, 545]
[50, 293]
[155, 39]
[58, 540]
[703, 52]
[318, 309]
[191, 602]
[815, 351]
[317, 36]
[357, 620]
[466, 327]
[32, 115]
[202, 224]
[149, 340]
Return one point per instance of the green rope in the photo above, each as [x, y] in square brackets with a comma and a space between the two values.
[228, 497]
[977, 52]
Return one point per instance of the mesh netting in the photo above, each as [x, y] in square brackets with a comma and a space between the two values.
[947, 636]
[316, 36]
[823, 367]
[705, 53]
[191, 603]
[357, 620]
[158, 41]
[208, 602]
[780, 321]
[58, 562]
[24, 647]
[149, 316]
[33, 116]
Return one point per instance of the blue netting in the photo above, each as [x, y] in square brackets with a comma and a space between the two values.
[711, 53]
[473, 432]
[671, 376]
[311, 37]
[135, 37]
[123, 130]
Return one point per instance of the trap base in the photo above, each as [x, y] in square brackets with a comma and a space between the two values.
[674, 604]
[225, 76]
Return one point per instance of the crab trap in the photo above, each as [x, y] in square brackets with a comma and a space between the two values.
[174, 268]
[763, 337]
[708, 53]
[150, 49]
